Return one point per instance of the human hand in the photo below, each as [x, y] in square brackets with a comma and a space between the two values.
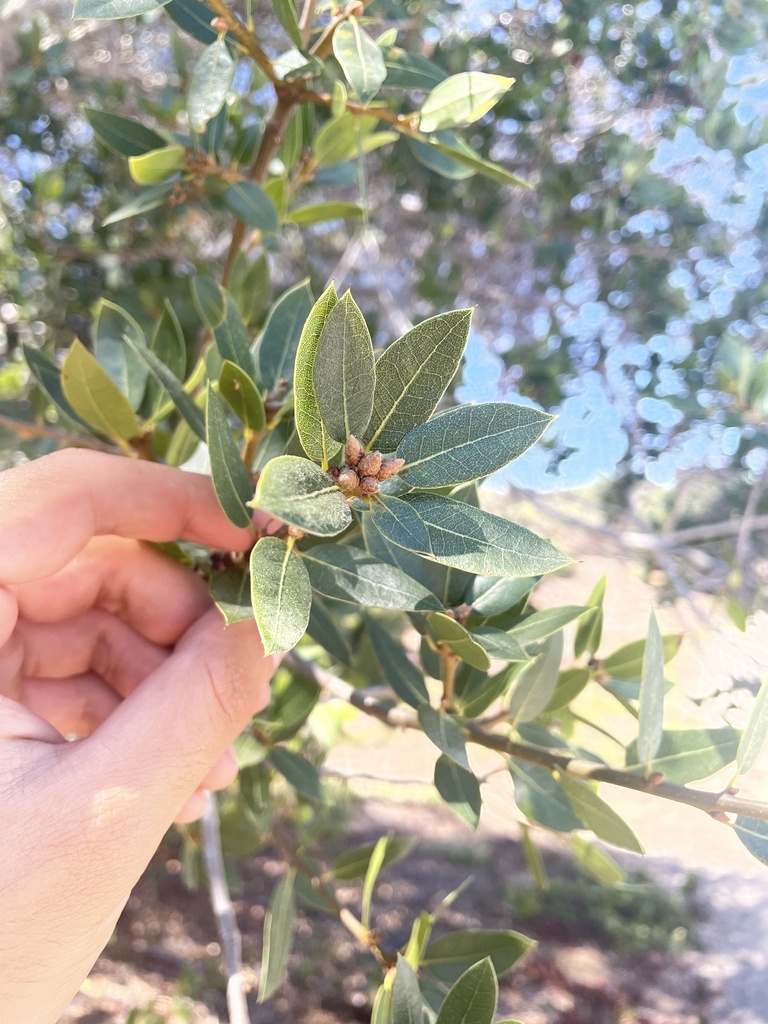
[103, 636]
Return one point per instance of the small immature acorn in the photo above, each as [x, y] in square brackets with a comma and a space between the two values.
[354, 451]
[348, 480]
[369, 485]
[389, 467]
[370, 464]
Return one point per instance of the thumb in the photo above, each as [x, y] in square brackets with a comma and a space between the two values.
[9, 613]
[163, 739]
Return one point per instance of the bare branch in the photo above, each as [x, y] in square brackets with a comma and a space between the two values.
[221, 901]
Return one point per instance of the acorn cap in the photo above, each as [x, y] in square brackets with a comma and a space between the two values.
[354, 451]
[389, 467]
[348, 480]
[370, 464]
[369, 485]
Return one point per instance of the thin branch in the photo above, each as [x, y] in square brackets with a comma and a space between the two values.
[244, 36]
[231, 940]
[389, 780]
[29, 430]
[747, 524]
[715, 804]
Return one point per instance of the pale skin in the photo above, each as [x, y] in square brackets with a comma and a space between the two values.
[103, 636]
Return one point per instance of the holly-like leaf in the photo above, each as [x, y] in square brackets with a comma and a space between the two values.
[300, 493]
[535, 686]
[462, 99]
[112, 328]
[344, 372]
[446, 630]
[232, 339]
[280, 594]
[457, 534]
[252, 206]
[121, 134]
[445, 733]
[348, 574]
[459, 788]
[402, 675]
[412, 375]
[111, 10]
[231, 480]
[313, 435]
[469, 442]
[279, 923]
[652, 689]
[276, 350]
[473, 998]
[95, 397]
[157, 165]
[360, 58]
[599, 816]
[211, 81]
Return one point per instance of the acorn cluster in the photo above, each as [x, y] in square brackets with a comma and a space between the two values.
[363, 473]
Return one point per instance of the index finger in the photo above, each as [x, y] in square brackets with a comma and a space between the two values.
[50, 509]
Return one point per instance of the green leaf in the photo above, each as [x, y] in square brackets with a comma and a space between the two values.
[402, 675]
[317, 213]
[627, 662]
[450, 955]
[286, 15]
[299, 772]
[348, 574]
[407, 1004]
[533, 858]
[570, 683]
[412, 375]
[382, 1005]
[148, 199]
[421, 929]
[590, 630]
[409, 71]
[467, 538]
[686, 755]
[172, 385]
[652, 690]
[121, 134]
[242, 396]
[280, 594]
[209, 299]
[498, 644]
[292, 701]
[469, 442]
[462, 99]
[344, 373]
[354, 863]
[375, 865]
[314, 438]
[459, 788]
[478, 697]
[211, 81]
[596, 862]
[94, 396]
[300, 493]
[252, 206]
[279, 923]
[462, 155]
[753, 833]
[157, 165]
[168, 341]
[48, 377]
[112, 329]
[445, 733]
[231, 592]
[491, 595]
[473, 998]
[438, 161]
[232, 339]
[540, 625]
[535, 686]
[598, 816]
[276, 351]
[255, 293]
[541, 799]
[753, 738]
[446, 630]
[194, 17]
[231, 480]
[445, 583]
[110, 10]
[360, 58]
[324, 629]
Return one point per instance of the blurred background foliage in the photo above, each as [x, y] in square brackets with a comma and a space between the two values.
[625, 291]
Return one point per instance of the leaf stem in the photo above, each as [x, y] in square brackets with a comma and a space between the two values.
[448, 664]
